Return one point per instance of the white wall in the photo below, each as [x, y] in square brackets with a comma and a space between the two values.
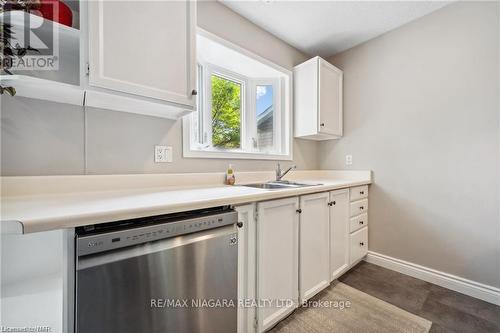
[422, 111]
[43, 138]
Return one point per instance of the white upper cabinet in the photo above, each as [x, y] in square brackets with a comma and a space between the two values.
[145, 48]
[130, 56]
[318, 100]
[53, 71]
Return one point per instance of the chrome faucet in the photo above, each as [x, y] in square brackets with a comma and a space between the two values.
[280, 174]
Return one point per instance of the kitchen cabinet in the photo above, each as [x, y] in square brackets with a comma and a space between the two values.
[358, 225]
[53, 72]
[37, 280]
[318, 100]
[246, 266]
[129, 56]
[339, 232]
[277, 260]
[359, 245]
[314, 244]
[145, 48]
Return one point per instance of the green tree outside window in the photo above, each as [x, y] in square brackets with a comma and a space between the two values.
[226, 113]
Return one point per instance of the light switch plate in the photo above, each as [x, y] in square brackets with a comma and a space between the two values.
[163, 154]
[348, 159]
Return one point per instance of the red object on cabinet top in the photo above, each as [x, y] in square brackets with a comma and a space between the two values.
[56, 11]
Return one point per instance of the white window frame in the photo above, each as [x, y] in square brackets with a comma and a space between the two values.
[282, 99]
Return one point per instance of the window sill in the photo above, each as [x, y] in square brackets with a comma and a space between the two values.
[188, 153]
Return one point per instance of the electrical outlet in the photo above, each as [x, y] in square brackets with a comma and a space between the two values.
[348, 159]
[163, 154]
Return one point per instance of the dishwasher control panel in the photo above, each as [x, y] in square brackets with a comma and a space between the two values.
[90, 244]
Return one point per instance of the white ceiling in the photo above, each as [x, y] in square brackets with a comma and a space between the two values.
[328, 27]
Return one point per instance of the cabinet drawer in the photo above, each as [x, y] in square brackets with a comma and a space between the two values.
[359, 192]
[358, 222]
[359, 244]
[359, 207]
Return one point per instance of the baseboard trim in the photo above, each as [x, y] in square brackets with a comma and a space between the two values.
[471, 288]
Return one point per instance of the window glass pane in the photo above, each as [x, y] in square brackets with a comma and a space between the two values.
[226, 113]
[265, 117]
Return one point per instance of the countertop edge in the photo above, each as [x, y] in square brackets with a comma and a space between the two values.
[72, 221]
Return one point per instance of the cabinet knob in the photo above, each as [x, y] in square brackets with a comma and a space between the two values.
[362, 244]
[194, 92]
[362, 192]
[322, 124]
[361, 222]
[299, 210]
[331, 203]
[361, 207]
[334, 202]
[240, 224]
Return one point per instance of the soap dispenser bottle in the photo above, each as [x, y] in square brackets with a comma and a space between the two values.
[230, 179]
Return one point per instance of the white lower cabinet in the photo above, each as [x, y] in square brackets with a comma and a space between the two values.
[358, 225]
[246, 267]
[339, 232]
[277, 260]
[314, 254]
[359, 245]
[292, 248]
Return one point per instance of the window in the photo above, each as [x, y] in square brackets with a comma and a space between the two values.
[243, 107]
[264, 97]
[225, 111]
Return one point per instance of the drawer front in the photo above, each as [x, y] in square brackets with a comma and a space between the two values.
[359, 207]
[358, 222]
[359, 244]
[358, 192]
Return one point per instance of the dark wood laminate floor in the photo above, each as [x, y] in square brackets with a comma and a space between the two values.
[448, 310]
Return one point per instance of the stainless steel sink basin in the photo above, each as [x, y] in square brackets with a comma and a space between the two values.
[275, 185]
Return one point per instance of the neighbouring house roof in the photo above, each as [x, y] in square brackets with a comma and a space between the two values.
[265, 116]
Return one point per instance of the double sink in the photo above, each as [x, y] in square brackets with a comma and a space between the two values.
[279, 185]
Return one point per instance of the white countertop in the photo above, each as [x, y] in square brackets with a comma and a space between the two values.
[33, 204]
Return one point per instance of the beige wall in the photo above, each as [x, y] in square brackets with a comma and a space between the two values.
[422, 111]
[43, 138]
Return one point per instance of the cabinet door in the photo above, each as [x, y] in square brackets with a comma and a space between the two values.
[277, 260]
[145, 48]
[330, 99]
[314, 247]
[246, 266]
[339, 232]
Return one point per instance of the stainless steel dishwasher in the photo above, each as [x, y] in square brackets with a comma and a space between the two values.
[163, 274]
